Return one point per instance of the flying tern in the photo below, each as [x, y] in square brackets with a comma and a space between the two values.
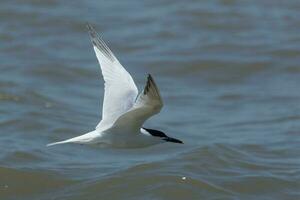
[124, 110]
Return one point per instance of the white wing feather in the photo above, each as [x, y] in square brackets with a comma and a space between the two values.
[148, 103]
[120, 89]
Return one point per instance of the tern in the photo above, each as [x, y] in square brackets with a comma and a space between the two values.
[124, 110]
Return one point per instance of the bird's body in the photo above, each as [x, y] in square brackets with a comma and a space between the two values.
[115, 138]
[124, 111]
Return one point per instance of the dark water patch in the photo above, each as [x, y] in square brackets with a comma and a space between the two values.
[8, 97]
[27, 184]
[21, 158]
[7, 84]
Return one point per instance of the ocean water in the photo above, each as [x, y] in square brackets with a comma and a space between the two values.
[229, 74]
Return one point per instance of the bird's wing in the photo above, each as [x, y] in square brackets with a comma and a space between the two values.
[148, 103]
[120, 89]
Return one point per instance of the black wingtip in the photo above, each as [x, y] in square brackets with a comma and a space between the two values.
[91, 31]
[150, 78]
[148, 84]
[151, 84]
[88, 26]
[99, 43]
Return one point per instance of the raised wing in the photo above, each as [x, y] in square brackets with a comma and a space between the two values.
[148, 103]
[120, 89]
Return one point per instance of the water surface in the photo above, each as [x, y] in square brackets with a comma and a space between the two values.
[228, 72]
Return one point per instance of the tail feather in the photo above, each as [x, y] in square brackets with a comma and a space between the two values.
[55, 143]
[82, 139]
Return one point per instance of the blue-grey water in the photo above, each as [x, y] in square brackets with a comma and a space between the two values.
[229, 74]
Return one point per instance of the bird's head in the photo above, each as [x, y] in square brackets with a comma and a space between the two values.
[162, 135]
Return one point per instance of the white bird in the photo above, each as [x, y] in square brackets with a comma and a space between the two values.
[124, 111]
